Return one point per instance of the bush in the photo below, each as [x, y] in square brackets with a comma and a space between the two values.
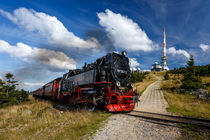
[138, 76]
[166, 76]
[191, 82]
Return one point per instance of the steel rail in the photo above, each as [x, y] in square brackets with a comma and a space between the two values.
[171, 118]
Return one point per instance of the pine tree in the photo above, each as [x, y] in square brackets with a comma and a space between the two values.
[10, 83]
[191, 81]
[9, 95]
[166, 76]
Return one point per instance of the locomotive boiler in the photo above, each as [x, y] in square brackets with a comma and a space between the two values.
[104, 84]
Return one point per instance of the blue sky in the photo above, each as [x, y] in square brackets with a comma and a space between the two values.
[40, 40]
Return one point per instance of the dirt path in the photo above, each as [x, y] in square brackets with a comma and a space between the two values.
[126, 127]
[152, 100]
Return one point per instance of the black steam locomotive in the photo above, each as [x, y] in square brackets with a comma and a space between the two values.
[104, 83]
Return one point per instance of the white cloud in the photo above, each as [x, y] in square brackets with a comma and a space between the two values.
[1, 78]
[29, 54]
[49, 27]
[124, 32]
[174, 52]
[30, 84]
[204, 47]
[133, 63]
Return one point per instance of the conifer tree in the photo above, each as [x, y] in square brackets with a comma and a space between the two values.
[10, 83]
[9, 95]
[191, 81]
[166, 76]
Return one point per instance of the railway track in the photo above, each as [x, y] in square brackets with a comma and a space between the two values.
[171, 118]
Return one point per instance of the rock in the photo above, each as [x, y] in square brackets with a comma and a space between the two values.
[201, 93]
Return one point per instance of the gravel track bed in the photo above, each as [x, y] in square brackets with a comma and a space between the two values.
[126, 127]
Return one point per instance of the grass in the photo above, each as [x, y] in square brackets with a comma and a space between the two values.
[187, 105]
[206, 82]
[184, 103]
[39, 120]
[194, 132]
[141, 86]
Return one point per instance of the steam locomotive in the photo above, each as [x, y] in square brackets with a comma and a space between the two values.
[104, 84]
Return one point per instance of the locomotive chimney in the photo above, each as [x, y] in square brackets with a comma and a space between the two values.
[124, 53]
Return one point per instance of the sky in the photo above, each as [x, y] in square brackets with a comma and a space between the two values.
[42, 39]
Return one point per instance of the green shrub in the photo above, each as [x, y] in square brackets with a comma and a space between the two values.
[138, 76]
[166, 76]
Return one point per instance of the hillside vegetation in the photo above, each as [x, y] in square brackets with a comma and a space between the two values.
[184, 104]
[9, 95]
[138, 76]
[178, 87]
[37, 119]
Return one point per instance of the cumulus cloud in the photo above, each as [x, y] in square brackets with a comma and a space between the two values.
[133, 63]
[47, 57]
[49, 27]
[204, 47]
[174, 52]
[124, 32]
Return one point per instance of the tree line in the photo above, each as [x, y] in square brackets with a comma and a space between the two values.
[192, 80]
[9, 94]
[199, 70]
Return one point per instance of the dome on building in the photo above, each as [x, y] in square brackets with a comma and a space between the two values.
[156, 67]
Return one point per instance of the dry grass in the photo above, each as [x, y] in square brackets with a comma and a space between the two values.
[160, 74]
[206, 81]
[141, 86]
[39, 120]
[184, 104]
[188, 105]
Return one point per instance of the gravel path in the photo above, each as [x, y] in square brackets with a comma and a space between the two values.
[152, 100]
[126, 127]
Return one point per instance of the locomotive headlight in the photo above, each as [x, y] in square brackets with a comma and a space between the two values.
[124, 53]
[132, 85]
[118, 83]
